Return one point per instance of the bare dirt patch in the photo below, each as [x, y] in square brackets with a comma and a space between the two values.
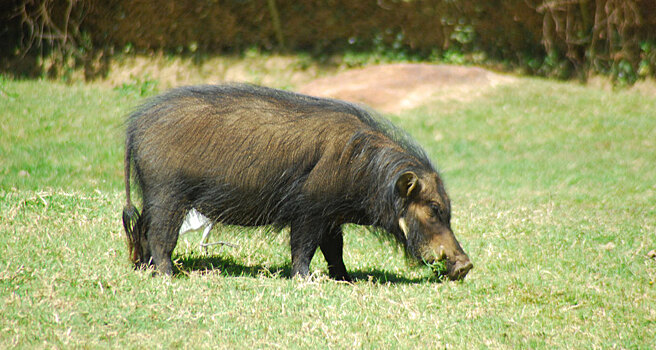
[396, 87]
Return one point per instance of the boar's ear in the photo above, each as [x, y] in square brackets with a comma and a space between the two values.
[407, 183]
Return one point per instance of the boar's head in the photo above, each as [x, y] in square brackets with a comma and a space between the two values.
[425, 223]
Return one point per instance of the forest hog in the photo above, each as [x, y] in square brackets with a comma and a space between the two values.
[251, 156]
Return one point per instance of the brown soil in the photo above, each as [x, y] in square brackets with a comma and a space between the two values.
[396, 87]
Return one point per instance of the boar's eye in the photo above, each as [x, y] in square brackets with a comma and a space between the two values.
[437, 210]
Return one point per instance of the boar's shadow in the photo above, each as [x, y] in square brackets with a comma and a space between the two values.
[230, 267]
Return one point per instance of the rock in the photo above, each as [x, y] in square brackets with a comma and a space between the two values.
[652, 254]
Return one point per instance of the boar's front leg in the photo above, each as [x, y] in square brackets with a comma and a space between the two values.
[304, 240]
[331, 245]
[306, 237]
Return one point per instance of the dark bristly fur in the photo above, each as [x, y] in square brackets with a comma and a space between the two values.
[249, 155]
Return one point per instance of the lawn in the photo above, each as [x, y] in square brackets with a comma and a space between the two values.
[553, 187]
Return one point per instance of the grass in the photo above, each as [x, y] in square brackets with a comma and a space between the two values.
[553, 188]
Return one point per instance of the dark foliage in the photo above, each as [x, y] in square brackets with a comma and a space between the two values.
[561, 38]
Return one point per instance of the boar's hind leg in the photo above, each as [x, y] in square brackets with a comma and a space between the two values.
[331, 245]
[165, 221]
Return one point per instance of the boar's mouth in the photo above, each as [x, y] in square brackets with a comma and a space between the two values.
[454, 271]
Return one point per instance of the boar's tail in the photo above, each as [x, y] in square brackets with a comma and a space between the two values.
[131, 216]
[131, 224]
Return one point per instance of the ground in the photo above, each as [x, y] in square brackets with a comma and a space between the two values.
[393, 88]
[552, 186]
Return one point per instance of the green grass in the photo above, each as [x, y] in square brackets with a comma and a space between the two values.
[554, 198]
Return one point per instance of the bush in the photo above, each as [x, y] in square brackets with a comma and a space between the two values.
[560, 38]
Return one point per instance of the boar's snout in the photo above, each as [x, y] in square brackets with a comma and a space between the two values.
[445, 255]
[460, 269]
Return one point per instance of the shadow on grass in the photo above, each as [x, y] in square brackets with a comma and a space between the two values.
[229, 267]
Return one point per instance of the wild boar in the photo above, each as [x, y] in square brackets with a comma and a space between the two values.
[248, 155]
